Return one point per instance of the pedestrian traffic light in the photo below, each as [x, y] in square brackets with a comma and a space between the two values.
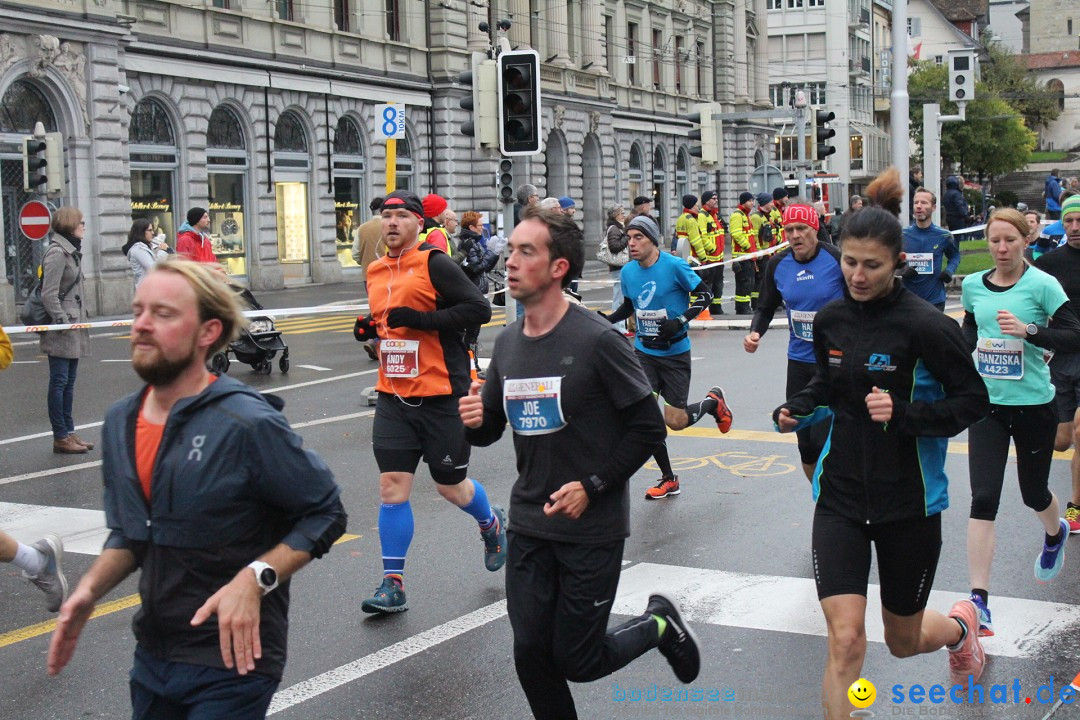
[34, 164]
[506, 181]
[54, 170]
[707, 133]
[823, 133]
[482, 102]
[519, 102]
[962, 67]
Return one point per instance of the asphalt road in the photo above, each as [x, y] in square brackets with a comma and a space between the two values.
[734, 546]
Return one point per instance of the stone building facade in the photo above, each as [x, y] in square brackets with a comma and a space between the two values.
[264, 113]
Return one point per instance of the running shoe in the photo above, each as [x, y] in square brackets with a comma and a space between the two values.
[966, 662]
[1052, 557]
[50, 579]
[666, 486]
[722, 413]
[495, 541]
[1072, 516]
[389, 598]
[986, 625]
[678, 644]
[372, 351]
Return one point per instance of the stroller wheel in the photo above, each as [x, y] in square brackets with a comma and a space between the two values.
[283, 363]
[263, 367]
[220, 363]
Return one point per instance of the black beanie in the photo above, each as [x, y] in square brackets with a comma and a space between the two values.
[689, 201]
[194, 215]
[745, 197]
[707, 196]
[779, 193]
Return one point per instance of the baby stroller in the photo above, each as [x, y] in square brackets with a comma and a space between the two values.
[257, 344]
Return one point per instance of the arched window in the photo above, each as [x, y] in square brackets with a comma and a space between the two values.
[289, 135]
[660, 186]
[153, 153]
[151, 125]
[224, 131]
[1056, 87]
[636, 175]
[404, 173]
[24, 105]
[227, 178]
[682, 173]
[556, 181]
[350, 188]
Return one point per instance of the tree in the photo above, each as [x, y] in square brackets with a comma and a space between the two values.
[1009, 79]
[994, 139]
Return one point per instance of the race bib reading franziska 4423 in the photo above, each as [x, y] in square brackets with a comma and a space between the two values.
[1001, 358]
[533, 406]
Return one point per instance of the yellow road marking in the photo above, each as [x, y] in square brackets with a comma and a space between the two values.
[955, 446]
[130, 601]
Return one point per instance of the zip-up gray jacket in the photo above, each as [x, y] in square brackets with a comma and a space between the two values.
[231, 480]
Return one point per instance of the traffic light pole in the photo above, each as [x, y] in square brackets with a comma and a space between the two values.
[804, 165]
[932, 122]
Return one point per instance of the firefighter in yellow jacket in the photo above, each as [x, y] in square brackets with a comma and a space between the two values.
[709, 224]
[743, 242]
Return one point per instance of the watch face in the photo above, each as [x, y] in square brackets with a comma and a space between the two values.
[268, 577]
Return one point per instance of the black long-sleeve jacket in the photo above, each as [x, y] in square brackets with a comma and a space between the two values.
[876, 472]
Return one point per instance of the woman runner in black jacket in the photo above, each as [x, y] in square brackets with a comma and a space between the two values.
[895, 379]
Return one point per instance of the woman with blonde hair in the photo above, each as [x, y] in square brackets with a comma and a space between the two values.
[62, 296]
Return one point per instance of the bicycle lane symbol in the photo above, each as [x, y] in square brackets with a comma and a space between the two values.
[736, 462]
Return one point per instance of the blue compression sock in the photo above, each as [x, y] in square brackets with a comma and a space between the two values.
[480, 508]
[395, 536]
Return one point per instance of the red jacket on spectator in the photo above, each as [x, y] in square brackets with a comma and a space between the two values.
[193, 246]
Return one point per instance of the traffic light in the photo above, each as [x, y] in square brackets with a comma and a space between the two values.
[962, 66]
[519, 102]
[483, 102]
[506, 181]
[43, 163]
[707, 133]
[34, 164]
[822, 134]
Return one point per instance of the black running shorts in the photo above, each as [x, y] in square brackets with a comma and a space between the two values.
[669, 376]
[907, 555]
[1065, 374]
[407, 429]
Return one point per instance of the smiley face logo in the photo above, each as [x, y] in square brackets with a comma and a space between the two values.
[862, 693]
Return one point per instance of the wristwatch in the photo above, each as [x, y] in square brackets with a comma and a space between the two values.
[265, 575]
[1032, 329]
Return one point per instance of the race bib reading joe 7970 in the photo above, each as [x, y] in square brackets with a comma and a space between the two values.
[533, 406]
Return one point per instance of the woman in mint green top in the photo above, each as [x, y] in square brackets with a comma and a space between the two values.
[1013, 313]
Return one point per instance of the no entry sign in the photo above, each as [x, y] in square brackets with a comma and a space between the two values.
[34, 220]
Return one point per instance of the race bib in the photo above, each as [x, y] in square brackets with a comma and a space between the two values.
[533, 406]
[922, 263]
[399, 358]
[802, 324]
[1001, 358]
[648, 321]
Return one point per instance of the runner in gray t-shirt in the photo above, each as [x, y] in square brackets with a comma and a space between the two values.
[584, 421]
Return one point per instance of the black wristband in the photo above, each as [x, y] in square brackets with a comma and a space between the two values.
[594, 487]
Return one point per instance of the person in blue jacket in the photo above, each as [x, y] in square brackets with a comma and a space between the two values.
[926, 247]
[1052, 194]
[957, 212]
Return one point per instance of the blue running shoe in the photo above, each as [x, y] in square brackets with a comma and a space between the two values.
[1050, 560]
[495, 541]
[389, 598]
[986, 626]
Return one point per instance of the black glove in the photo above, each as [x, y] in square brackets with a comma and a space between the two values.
[364, 329]
[909, 273]
[670, 328]
[406, 317]
[604, 315]
[946, 276]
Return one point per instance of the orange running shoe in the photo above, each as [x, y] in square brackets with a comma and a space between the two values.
[722, 413]
[666, 486]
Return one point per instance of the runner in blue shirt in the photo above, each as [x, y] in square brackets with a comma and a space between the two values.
[1013, 312]
[656, 289]
[804, 278]
[926, 246]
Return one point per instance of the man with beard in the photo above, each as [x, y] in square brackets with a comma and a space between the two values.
[926, 248]
[210, 493]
